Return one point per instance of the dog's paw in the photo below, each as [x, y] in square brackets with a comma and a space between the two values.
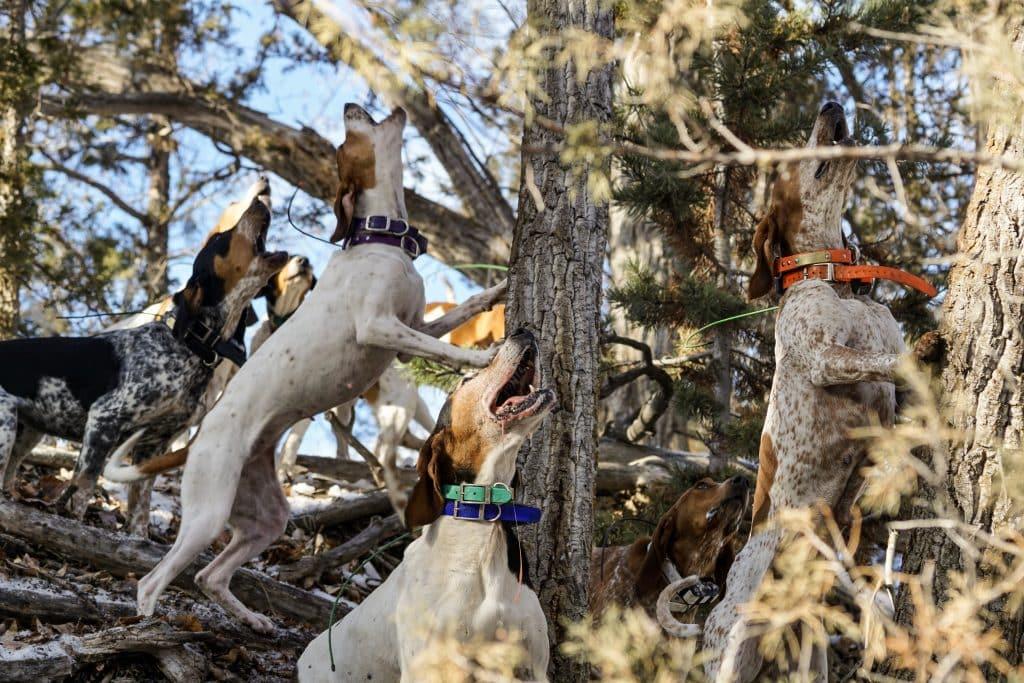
[259, 623]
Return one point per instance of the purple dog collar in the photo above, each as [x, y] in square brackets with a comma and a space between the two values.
[522, 514]
[393, 232]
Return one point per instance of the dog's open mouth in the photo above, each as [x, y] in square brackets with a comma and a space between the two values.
[517, 398]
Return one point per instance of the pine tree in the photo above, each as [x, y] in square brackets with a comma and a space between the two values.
[764, 80]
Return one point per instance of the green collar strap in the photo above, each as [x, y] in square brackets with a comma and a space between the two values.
[495, 494]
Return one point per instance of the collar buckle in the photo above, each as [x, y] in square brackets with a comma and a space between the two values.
[457, 510]
[407, 240]
[830, 272]
[368, 225]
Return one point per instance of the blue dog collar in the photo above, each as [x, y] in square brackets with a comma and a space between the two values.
[474, 512]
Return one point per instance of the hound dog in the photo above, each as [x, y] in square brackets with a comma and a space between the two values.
[836, 357]
[693, 538]
[456, 580]
[366, 309]
[99, 390]
[396, 401]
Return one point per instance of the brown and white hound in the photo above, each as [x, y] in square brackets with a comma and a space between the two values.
[459, 580]
[693, 538]
[836, 358]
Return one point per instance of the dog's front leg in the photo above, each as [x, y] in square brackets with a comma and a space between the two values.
[474, 305]
[840, 364]
[391, 333]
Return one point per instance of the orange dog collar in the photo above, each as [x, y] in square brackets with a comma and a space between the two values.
[840, 265]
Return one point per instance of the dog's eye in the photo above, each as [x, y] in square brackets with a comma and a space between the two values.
[702, 486]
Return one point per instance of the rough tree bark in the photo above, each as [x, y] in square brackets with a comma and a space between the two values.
[16, 209]
[555, 289]
[981, 325]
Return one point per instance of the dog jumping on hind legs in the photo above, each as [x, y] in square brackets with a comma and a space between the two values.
[366, 309]
[459, 579]
[836, 359]
[100, 390]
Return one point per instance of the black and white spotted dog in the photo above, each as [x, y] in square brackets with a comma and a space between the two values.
[100, 390]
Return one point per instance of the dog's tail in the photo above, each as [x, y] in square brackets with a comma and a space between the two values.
[118, 469]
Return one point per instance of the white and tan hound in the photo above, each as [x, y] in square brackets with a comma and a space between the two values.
[456, 580]
[367, 309]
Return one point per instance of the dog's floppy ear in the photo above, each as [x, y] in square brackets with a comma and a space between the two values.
[357, 171]
[187, 303]
[765, 238]
[426, 502]
[435, 468]
[661, 542]
[342, 229]
[723, 563]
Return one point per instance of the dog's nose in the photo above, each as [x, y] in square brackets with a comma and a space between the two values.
[303, 261]
[830, 107]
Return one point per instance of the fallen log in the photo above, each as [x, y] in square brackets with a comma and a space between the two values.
[30, 598]
[124, 555]
[63, 656]
[360, 544]
[342, 511]
[37, 599]
[52, 456]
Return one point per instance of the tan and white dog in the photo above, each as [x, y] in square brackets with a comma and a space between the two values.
[367, 309]
[455, 580]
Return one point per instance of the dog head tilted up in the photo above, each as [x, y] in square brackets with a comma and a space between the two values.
[369, 168]
[481, 428]
[807, 202]
[286, 290]
[229, 270]
[696, 533]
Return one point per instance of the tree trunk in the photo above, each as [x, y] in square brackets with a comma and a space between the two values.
[722, 334]
[158, 200]
[17, 210]
[555, 279]
[981, 325]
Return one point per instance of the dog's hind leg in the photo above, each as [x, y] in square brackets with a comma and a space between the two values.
[8, 438]
[140, 499]
[208, 488]
[258, 518]
[395, 407]
[25, 441]
[290, 449]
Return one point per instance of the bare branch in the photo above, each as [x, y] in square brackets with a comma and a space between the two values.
[97, 185]
[476, 187]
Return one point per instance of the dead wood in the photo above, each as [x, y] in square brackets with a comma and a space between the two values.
[342, 511]
[61, 657]
[125, 555]
[357, 546]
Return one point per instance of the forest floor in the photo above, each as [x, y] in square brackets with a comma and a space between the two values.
[67, 609]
